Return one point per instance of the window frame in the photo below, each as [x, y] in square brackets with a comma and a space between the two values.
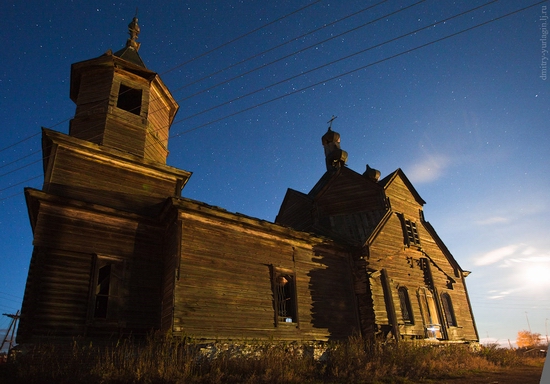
[112, 311]
[410, 232]
[289, 296]
[405, 305]
[448, 310]
[128, 97]
[430, 315]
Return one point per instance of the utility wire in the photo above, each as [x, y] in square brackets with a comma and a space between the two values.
[240, 37]
[238, 76]
[187, 62]
[301, 50]
[356, 70]
[278, 46]
[431, 25]
[342, 74]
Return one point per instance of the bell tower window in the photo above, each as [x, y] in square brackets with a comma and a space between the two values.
[129, 99]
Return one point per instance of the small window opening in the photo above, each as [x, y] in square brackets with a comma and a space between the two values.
[129, 99]
[285, 298]
[411, 233]
[107, 289]
[450, 317]
[405, 303]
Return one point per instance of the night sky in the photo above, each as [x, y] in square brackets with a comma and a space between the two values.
[464, 114]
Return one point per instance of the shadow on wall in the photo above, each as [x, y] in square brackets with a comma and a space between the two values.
[333, 298]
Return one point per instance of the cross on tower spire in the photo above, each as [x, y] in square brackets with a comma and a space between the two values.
[330, 121]
[334, 156]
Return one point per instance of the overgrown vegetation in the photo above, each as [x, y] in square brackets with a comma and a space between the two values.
[165, 360]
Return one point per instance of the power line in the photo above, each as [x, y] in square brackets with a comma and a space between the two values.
[300, 51]
[357, 69]
[240, 37]
[243, 74]
[278, 46]
[431, 25]
[22, 182]
[292, 54]
[352, 71]
[187, 62]
[21, 158]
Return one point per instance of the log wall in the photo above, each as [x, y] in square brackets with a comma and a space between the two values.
[225, 290]
[69, 237]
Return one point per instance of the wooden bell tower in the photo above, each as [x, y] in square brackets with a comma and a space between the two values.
[121, 104]
[99, 223]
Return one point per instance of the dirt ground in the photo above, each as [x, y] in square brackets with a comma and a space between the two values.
[520, 375]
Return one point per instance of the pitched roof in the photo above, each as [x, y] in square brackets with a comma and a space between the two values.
[130, 51]
[388, 180]
[323, 181]
[130, 54]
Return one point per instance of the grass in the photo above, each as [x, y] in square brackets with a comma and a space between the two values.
[166, 360]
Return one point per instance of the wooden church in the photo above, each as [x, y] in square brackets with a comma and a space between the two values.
[118, 251]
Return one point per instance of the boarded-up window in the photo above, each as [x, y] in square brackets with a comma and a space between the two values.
[405, 304]
[284, 296]
[450, 317]
[107, 288]
[129, 99]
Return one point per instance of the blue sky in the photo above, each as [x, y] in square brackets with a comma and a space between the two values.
[466, 117]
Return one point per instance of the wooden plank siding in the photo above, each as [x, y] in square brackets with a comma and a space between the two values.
[385, 219]
[404, 269]
[224, 288]
[172, 249]
[402, 200]
[117, 250]
[295, 211]
[361, 194]
[68, 237]
[82, 171]
[56, 294]
[96, 89]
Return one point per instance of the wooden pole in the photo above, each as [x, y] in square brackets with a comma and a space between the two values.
[11, 329]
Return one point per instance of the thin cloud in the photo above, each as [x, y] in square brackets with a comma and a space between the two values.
[496, 255]
[493, 220]
[429, 169]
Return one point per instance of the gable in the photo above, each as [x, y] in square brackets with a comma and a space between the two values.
[295, 211]
[402, 195]
[391, 238]
[349, 192]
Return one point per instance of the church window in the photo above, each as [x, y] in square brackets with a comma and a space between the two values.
[405, 304]
[410, 232]
[284, 295]
[450, 317]
[429, 313]
[129, 99]
[107, 286]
